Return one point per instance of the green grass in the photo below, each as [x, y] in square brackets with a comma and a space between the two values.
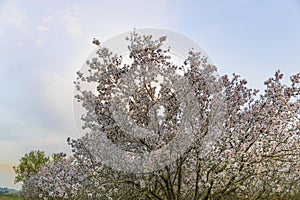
[10, 196]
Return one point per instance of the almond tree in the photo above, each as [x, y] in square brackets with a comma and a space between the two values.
[254, 155]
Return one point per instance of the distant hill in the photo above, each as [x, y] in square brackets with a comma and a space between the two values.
[6, 190]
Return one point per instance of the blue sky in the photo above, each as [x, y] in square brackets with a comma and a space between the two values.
[43, 43]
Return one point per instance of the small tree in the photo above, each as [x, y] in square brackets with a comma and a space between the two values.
[56, 157]
[30, 164]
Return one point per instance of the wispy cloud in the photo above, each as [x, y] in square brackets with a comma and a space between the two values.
[12, 15]
[17, 18]
[72, 25]
[42, 28]
[48, 18]
[40, 40]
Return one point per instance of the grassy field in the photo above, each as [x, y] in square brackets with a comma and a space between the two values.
[9, 196]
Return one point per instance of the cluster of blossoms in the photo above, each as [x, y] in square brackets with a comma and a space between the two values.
[255, 153]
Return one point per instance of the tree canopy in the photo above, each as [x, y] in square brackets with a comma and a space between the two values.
[255, 154]
[29, 165]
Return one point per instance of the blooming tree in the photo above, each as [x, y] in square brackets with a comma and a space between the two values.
[253, 152]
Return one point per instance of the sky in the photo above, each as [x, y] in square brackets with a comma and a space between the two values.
[43, 43]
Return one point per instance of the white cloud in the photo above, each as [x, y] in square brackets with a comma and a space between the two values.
[12, 15]
[42, 28]
[39, 41]
[15, 18]
[49, 18]
[72, 25]
[1, 33]
[68, 19]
